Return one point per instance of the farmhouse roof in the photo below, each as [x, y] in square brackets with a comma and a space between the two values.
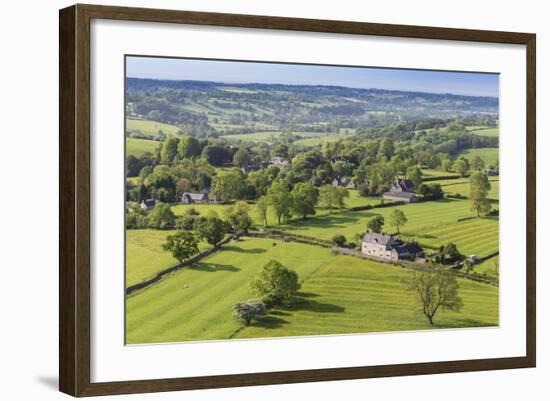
[149, 203]
[195, 196]
[380, 239]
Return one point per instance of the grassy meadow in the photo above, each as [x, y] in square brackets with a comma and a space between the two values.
[339, 294]
[145, 256]
[488, 155]
[138, 147]
[150, 127]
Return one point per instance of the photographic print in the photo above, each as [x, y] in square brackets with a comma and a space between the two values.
[269, 200]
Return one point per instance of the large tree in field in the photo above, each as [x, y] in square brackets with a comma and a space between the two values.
[262, 206]
[276, 283]
[327, 197]
[229, 185]
[341, 195]
[250, 310]
[397, 219]
[477, 163]
[239, 217]
[479, 189]
[161, 216]
[210, 229]
[435, 289]
[461, 166]
[279, 198]
[183, 245]
[376, 224]
[304, 198]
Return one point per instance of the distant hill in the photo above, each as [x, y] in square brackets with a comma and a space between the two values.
[204, 108]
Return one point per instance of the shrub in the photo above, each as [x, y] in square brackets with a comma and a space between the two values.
[339, 240]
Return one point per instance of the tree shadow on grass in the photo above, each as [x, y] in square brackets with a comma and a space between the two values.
[213, 267]
[241, 250]
[269, 322]
[461, 324]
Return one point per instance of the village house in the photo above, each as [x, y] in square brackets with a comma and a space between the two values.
[343, 182]
[401, 190]
[279, 162]
[148, 204]
[386, 247]
[196, 197]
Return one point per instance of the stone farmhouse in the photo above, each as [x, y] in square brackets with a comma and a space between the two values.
[196, 197]
[401, 190]
[386, 247]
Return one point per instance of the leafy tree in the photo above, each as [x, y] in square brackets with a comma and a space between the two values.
[262, 206]
[327, 197]
[339, 240]
[435, 289]
[433, 191]
[259, 180]
[248, 311]
[279, 198]
[189, 147]
[397, 219]
[341, 195]
[477, 163]
[161, 216]
[446, 164]
[414, 173]
[304, 198]
[461, 166]
[276, 283]
[386, 149]
[210, 229]
[479, 189]
[238, 216]
[169, 150]
[183, 185]
[229, 185]
[183, 245]
[216, 155]
[241, 158]
[136, 217]
[376, 224]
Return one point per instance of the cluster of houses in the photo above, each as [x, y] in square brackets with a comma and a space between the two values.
[387, 247]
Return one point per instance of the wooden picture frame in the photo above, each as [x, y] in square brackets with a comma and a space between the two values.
[74, 199]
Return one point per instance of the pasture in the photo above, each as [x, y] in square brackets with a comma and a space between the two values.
[484, 131]
[150, 127]
[138, 147]
[462, 187]
[145, 256]
[339, 294]
[431, 223]
[488, 155]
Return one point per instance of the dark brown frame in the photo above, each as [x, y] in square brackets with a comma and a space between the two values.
[74, 199]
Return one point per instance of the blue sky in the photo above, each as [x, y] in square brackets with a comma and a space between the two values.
[460, 83]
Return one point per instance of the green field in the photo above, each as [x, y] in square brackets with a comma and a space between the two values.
[138, 147]
[488, 155]
[339, 294]
[484, 131]
[150, 127]
[145, 256]
[472, 237]
[431, 223]
[462, 187]
[488, 267]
